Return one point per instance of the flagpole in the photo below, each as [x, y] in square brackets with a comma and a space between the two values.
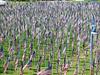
[91, 54]
[18, 55]
[93, 31]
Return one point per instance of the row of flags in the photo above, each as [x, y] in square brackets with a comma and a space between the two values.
[17, 18]
[42, 29]
[32, 53]
[93, 30]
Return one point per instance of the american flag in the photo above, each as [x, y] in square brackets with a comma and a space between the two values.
[1, 55]
[12, 49]
[6, 64]
[65, 68]
[21, 70]
[47, 71]
[39, 63]
[30, 60]
[31, 47]
[24, 57]
[1, 39]
[24, 54]
[16, 63]
[84, 36]
[17, 58]
[1, 52]
[75, 72]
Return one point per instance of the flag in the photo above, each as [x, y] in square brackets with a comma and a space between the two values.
[84, 36]
[65, 68]
[12, 49]
[47, 71]
[1, 52]
[21, 70]
[75, 72]
[30, 60]
[16, 63]
[1, 55]
[6, 64]
[65, 61]
[23, 57]
[1, 39]
[31, 47]
[24, 54]
[39, 63]
[17, 58]
[98, 56]
[58, 56]
[49, 66]
[98, 41]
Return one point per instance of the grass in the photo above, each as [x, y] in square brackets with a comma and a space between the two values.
[44, 64]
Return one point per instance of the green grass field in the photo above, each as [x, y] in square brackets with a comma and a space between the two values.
[44, 64]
